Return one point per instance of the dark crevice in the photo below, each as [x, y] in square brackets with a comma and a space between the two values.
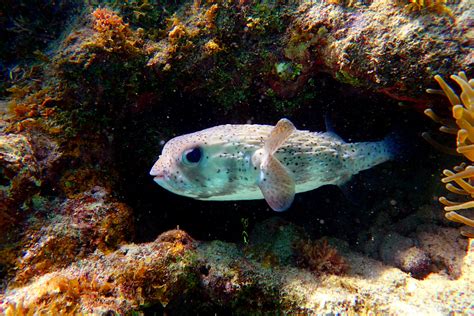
[357, 115]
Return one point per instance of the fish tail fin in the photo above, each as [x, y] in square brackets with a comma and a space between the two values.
[364, 155]
[393, 144]
[397, 145]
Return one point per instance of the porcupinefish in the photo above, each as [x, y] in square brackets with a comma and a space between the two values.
[249, 162]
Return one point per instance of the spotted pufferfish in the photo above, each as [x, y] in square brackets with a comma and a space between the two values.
[249, 162]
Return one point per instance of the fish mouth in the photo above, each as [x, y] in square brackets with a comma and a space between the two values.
[161, 180]
[158, 175]
[158, 178]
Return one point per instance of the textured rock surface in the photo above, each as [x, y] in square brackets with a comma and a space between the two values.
[382, 46]
[19, 180]
[180, 274]
[444, 246]
[91, 221]
[401, 252]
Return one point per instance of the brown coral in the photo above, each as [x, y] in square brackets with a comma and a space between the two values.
[30, 100]
[463, 175]
[320, 257]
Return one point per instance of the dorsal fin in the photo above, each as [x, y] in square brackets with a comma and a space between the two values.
[330, 130]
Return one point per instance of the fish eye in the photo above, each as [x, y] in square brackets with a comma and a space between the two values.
[192, 156]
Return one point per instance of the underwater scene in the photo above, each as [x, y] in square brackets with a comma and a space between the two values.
[237, 157]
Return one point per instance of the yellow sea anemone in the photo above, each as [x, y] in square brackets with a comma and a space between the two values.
[461, 180]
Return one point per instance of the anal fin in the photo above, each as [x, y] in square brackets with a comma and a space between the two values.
[276, 184]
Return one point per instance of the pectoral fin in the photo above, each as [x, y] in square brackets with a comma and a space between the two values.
[276, 184]
[278, 136]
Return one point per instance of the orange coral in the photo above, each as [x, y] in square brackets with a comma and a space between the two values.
[463, 176]
[348, 3]
[30, 101]
[212, 47]
[113, 34]
[107, 20]
[210, 16]
[437, 6]
[176, 33]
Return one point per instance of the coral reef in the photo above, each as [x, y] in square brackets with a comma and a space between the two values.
[19, 181]
[91, 221]
[402, 252]
[27, 31]
[444, 246]
[115, 283]
[112, 35]
[273, 242]
[90, 113]
[177, 273]
[320, 258]
[462, 111]
[438, 6]
[418, 244]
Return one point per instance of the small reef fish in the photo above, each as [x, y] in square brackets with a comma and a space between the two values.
[248, 162]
